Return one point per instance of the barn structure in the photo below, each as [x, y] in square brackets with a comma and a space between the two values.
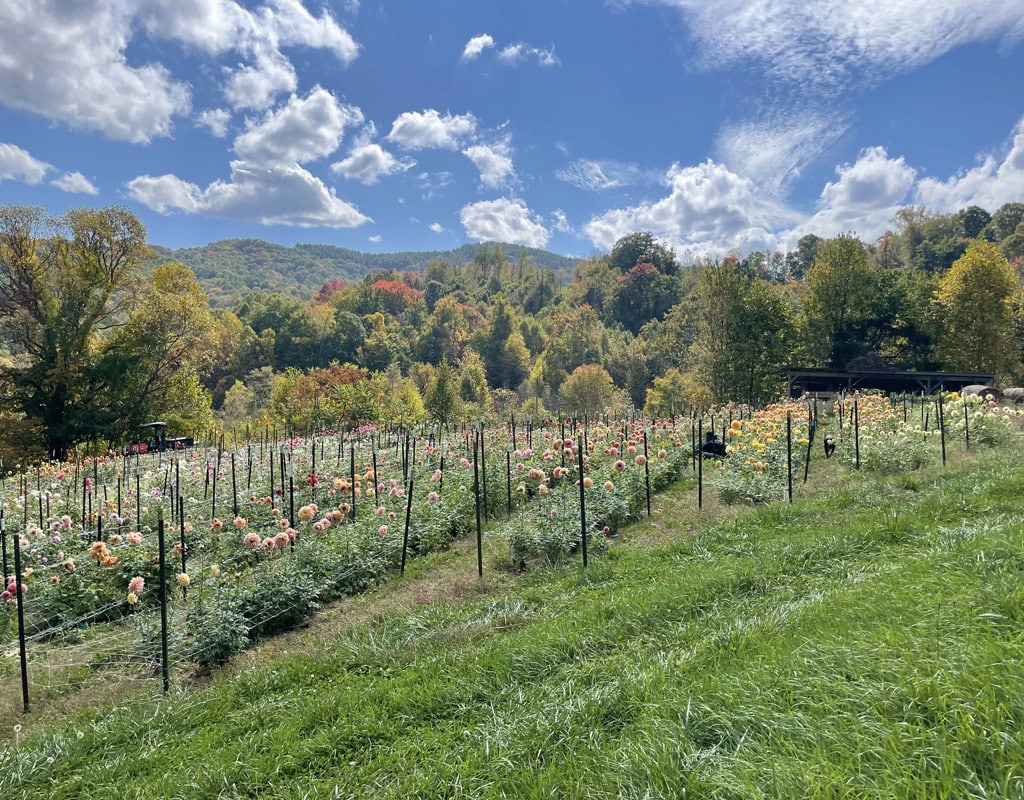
[811, 381]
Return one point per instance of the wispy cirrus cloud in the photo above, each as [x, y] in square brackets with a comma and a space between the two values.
[519, 52]
[598, 175]
[811, 54]
[833, 43]
[772, 150]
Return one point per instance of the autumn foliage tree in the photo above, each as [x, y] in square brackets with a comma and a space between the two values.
[974, 310]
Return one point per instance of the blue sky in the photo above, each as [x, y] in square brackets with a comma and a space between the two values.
[719, 125]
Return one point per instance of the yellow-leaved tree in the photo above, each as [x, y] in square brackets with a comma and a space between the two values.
[973, 308]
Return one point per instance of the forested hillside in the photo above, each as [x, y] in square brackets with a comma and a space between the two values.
[477, 332]
[230, 268]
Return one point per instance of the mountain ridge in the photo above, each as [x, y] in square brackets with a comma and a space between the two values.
[230, 268]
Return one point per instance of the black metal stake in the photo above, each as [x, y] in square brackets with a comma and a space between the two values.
[856, 430]
[700, 462]
[234, 486]
[789, 455]
[291, 500]
[181, 540]
[19, 587]
[165, 664]
[405, 533]
[810, 445]
[508, 477]
[352, 475]
[3, 542]
[483, 472]
[942, 429]
[647, 470]
[476, 494]
[583, 505]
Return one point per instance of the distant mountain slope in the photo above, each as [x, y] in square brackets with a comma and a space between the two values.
[230, 268]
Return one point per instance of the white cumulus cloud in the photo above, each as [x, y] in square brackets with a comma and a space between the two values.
[503, 220]
[70, 62]
[560, 222]
[864, 197]
[17, 164]
[302, 130]
[995, 180]
[494, 162]
[419, 130]
[268, 183]
[75, 183]
[368, 163]
[54, 64]
[165, 193]
[255, 85]
[436, 227]
[475, 46]
[215, 120]
[279, 195]
[709, 208]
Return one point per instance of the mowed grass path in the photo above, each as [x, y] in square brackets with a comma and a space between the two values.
[865, 642]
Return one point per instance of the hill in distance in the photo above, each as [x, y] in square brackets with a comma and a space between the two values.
[231, 268]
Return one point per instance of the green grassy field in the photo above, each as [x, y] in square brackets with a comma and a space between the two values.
[867, 641]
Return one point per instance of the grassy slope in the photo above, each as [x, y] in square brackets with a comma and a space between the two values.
[867, 642]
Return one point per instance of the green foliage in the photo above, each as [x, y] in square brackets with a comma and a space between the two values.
[745, 334]
[973, 307]
[589, 390]
[230, 270]
[642, 248]
[643, 293]
[442, 398]
[843, 302]
[218, 628]
[672, 391]
[97, 348]
[576, 338]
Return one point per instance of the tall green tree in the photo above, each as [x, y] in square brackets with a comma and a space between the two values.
[642, 248]
[442, 398]
[841, 301]
[87, 357]
[745, 334]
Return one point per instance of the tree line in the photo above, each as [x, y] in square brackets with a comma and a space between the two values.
[96, 340]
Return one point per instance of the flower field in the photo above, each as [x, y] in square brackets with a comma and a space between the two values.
[258, 536]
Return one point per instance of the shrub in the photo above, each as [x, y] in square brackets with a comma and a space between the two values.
[219, 629]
